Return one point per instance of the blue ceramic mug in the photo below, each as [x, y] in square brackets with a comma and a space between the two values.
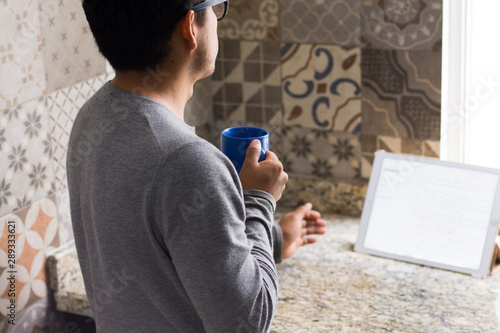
[235, 141]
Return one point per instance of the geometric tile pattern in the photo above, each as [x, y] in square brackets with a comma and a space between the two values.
[35, 318]
[70, 53]
[246, 82]
[251, 20]
[63, 106]
[402, 25]
[36, 235]
[323, 22]
[402, 93]
[21, 59]
[26, 173]
[322, 86]
[371, 143]
[65, 228]
[337, 197]
[322, 154]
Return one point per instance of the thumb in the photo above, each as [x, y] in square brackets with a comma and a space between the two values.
[253, 151]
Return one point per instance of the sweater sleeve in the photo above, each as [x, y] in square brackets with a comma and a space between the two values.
[219, 240]
[277, 243]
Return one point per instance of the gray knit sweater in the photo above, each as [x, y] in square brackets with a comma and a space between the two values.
[167, 239]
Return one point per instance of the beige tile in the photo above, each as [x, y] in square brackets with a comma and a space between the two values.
[70, 53]
[22, 75]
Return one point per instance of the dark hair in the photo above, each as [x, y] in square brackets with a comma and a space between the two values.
[135, 34]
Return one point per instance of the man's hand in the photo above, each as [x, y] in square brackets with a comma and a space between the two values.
[267, 175]
[295, 225]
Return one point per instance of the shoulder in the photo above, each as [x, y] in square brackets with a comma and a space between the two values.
[203, 159]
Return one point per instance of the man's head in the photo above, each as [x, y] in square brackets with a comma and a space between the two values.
[136, 34]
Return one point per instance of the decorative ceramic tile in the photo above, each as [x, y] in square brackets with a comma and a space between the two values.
[21, 59]
[402, 94]
[65, 228]
[371, 143]
[36, 235]
[70, 53]
[402, 25]
[35, 318]
[251, 20]
[246, 81]
[63, 107]
[322, 154]
[326, 22]
[198, 111]
[322, 86]
[26, 173]
[327, 196]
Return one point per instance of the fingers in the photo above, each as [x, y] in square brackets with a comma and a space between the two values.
[314, 223]
[304, 209]
[314, 231]
[312, 215]
[306, 212]
[309, 240]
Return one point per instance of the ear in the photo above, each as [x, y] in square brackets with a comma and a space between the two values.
[189, 31]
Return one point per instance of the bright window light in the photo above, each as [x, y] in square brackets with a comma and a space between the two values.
[471, 82]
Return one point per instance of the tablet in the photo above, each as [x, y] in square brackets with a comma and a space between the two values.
[431, 212]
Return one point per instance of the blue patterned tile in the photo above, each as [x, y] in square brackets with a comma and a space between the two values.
[321, 86]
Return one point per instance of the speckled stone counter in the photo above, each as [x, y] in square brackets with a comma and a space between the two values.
[66, 281]
[326, 287]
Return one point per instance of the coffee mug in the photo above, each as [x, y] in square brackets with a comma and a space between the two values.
[235, 141]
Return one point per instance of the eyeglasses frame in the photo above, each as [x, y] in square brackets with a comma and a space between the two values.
[211, 3]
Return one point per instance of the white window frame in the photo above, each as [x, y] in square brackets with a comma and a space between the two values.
[453, 81]
[470, 83]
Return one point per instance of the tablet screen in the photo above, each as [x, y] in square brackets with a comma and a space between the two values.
[430, 212]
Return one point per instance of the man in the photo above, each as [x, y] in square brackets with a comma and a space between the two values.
[169, 237]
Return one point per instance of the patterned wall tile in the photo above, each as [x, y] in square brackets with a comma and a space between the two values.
[251, 20]
[35, 318]
[36, 235]
[402, 94]
[65, 228]
[321, 86]
[21, 58]
[26, 173]
[63, 106]
[328, 196]
[323, 154]
[402, 25]
[371, 143]
[323, 22]
[246, 82]
[70, 53]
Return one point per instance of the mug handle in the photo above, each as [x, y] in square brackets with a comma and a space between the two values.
[262, 155]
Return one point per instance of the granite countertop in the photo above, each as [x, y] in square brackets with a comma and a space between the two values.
[326, 287]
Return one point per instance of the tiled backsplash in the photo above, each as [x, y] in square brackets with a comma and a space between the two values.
[337, 81]
[333, 81]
